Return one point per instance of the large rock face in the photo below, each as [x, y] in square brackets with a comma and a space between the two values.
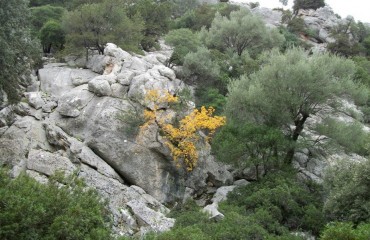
[73, 126]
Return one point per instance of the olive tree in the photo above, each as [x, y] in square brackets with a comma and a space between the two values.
[241, 31]
[288, 89]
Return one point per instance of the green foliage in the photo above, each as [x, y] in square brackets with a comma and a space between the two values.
[184, 41]
[288, 89]
[248, 145]
[108, 22]
[41, 15]
[37, 3]
[17, 48]
[254, 4]
[351, 136]
[268, 209]
[52, 35]
[307, 4]
[180, 7]
[132, 120]
[30, 210]
[296, 25]
[203, 15]
[345, 231]
[292, 40]
[347, 37]
[210, 97]
[280, 200]
[186, 233]
[241, 31]
[156, 16]
[348, 186]
[200, 64]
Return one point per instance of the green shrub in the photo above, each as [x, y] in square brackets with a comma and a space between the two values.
[348, 187]
[132, 120]
[345, 231]
[184, 41]
[30, 210]
[296, 25]
[351, 136]
[279, 203]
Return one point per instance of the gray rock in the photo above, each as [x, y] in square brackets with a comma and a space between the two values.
[137, 64]
[100, 87]
[47, 163]
[166, 72]
[37, 176]
[221, 193]
[56, 80]
[22, 109]
[49, 107]
[118, 90]
[75, 61]
[148, 217]
[34, 85]
[71, 104]
[3, 130]
[125, 77]
[112, 50]
[241, 183]
[35, 99]
[212, 211]
[270, 17]
[128, 218]
[97, 63]
[7, 117]
[82, 76]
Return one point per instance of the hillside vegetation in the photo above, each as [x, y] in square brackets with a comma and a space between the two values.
[271, 93]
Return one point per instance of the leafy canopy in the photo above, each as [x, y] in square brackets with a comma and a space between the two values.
[93, 25]
[288, 89]
[241, 31]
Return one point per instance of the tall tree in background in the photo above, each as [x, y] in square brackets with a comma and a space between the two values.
[91, 26]
[156, 16]
[16, 46]
[241, 31]
[307, 4]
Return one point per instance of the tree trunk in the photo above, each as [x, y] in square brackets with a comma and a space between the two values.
[299, 125]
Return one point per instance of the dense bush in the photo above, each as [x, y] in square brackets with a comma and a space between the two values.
[351, 136]
[184, 41]
[348, 186]
[292, 204]
[268, 209]
[345, 231]
[250, 145]
[31, 210]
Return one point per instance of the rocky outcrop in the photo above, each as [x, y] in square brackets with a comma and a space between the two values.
[71, 125]
[272, 18]
[321, 21]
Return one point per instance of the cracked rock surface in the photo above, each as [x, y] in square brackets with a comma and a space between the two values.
[71, 125]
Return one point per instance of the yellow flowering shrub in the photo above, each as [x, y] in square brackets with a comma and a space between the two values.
[182, 140]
